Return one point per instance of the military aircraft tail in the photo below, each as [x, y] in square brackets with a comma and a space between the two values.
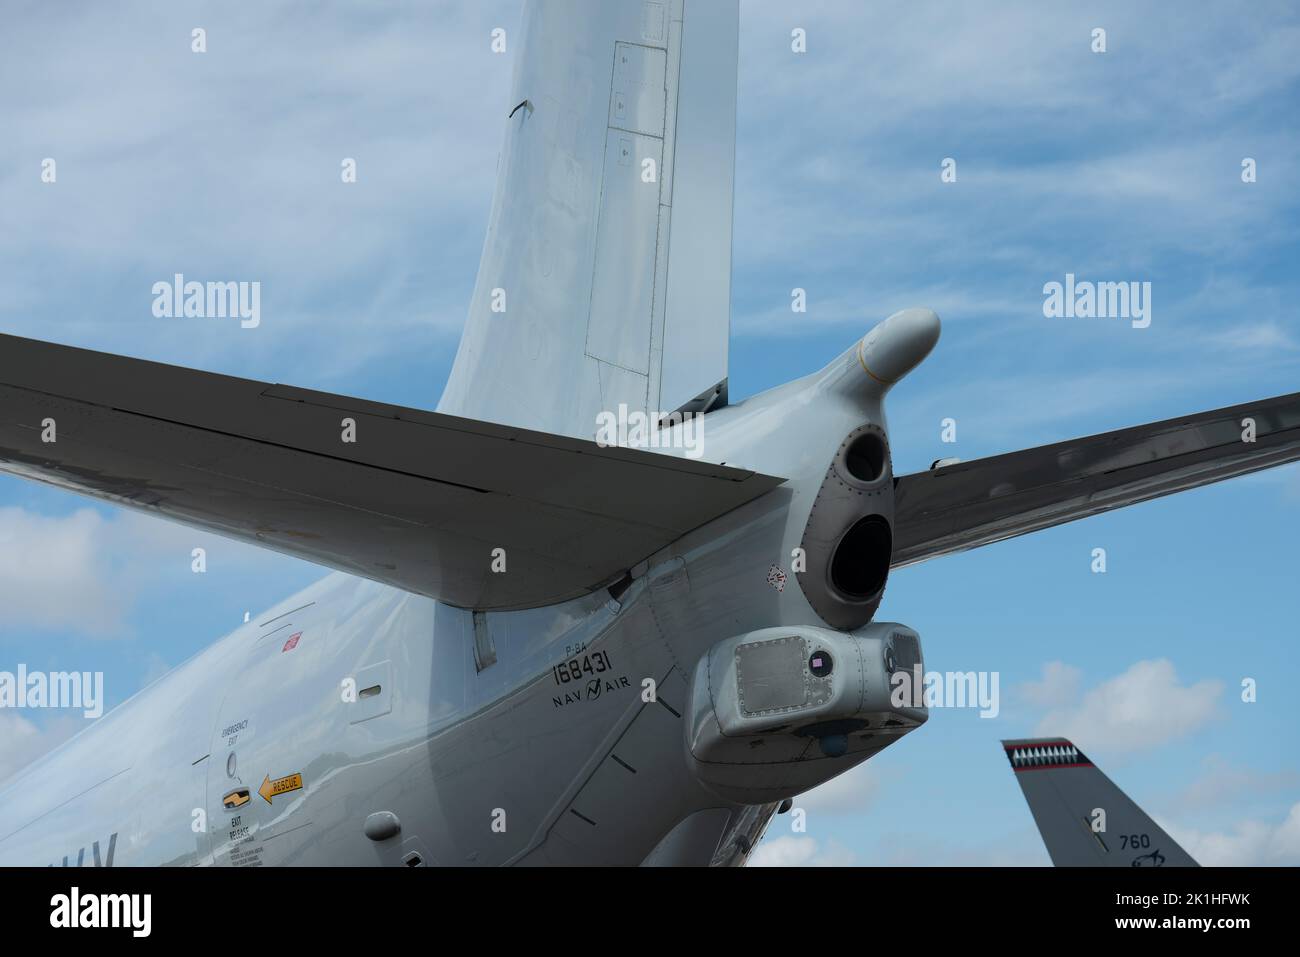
[1085, 820]
[605, 279]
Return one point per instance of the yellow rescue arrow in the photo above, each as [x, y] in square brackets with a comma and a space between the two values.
[269, 788]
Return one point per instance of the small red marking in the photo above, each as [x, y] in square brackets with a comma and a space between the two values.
[292, 643]
[776, 578]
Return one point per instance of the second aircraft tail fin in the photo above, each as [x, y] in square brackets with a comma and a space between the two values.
[1084, 819]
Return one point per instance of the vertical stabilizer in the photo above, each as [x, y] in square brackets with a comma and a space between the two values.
[606, 272]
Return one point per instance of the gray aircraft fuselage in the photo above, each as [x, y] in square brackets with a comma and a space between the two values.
[573, 734]
[684, 660]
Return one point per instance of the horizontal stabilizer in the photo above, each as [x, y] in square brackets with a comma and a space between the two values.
[417, 499]
[955, 507]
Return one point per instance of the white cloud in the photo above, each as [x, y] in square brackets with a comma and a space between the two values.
[1023, 848]
[1248, 843]
[22, 742]
[53, 571]
[226, 166]
[1138, 710]
[1113, 167]
[84, 571]
[1264, 335]
[1060, 683]
[1223, 783]
[791, 851]
[852, 791]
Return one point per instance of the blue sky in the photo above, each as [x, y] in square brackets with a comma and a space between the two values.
[1123, 165]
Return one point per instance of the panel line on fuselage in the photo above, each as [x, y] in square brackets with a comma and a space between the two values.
[62, 803]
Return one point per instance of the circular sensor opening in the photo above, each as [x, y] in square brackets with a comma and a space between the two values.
[821, 664]
[865, 457]
[860, 564]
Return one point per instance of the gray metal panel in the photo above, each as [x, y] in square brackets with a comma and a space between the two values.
[697, 326]
[638, 99]
[623, 284]
[419, 500]
[987, 500]
[770, 675]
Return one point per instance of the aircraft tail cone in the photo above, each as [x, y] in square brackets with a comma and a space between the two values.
[897, 346]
